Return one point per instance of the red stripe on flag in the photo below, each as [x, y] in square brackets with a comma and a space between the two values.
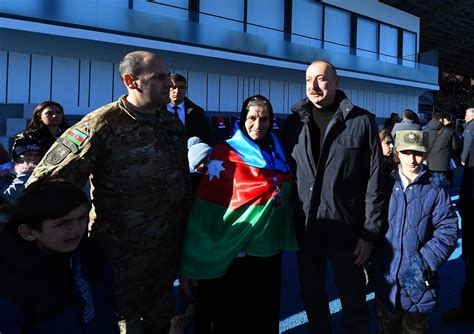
[239, 184]
[75, 136]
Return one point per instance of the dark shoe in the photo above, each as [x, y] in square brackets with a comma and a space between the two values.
[458, 315]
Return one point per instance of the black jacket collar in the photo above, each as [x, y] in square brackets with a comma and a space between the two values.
[303, 108]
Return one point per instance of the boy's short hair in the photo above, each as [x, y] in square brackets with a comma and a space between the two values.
[411, 140]
[51, 199]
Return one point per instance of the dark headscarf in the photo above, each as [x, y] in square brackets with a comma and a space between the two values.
[259, 101]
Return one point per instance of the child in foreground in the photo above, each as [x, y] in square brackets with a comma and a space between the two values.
[421, 235]
[183, 321]
[53, 279]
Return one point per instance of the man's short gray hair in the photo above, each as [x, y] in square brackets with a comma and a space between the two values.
[470, 111]
[132, 63]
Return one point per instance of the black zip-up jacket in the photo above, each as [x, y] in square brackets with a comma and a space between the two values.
[341, 198]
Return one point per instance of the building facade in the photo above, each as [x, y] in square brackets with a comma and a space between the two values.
[69, 50]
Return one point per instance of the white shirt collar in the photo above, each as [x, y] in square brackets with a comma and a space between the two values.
[404, 179]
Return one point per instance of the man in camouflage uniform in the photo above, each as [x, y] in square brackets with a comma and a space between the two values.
[135, 156]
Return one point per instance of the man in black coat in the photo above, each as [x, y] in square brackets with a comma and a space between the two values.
[442, 143]
[190, 114]
[465, 312]
[335, 155]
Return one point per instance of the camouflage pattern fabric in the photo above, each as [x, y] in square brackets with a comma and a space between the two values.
[400, 322]
[140, 194]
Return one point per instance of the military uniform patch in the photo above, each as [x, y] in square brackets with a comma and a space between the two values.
[57, 154]
[68, 144]
[412, 137]
[76, 137]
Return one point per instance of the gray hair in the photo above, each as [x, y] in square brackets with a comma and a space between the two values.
[470, 111]
[132, 63]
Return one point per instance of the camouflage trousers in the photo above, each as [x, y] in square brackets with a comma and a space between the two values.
[144, 291]
[400, 322]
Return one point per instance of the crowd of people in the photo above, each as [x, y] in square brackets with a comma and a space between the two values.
[332, 187]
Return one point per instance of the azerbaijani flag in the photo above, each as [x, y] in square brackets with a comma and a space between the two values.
[76, 136]
[236, 208]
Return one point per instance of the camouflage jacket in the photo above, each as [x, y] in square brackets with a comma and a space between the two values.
[139, 176]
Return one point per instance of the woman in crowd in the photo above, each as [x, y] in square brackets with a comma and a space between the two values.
[386, 140]
[46, 125]
[240, 222]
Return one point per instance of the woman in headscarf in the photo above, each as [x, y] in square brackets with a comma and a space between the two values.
[240, 222]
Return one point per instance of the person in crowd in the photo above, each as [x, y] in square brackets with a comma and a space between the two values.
[410, 121]
[190, 114]
[390, 122]
[135, 153]
[198, 155]
[465, 311]
[46, 125]
[53, 279]
[389, 162]
[442, 144]
[335, 155]
[26, 155]
[415, 245]
[386, 140]
[14, 174]
[239, 224]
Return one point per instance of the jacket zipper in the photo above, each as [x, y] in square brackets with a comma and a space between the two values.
[401, 234]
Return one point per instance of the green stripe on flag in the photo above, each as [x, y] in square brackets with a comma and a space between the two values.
[74, 140]
[211, 244]
[81, 135]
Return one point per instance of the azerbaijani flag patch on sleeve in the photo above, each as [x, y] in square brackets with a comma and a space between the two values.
[75, 136]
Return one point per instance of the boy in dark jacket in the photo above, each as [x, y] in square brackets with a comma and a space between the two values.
[422, 233]
[13, 175]
[53, 279]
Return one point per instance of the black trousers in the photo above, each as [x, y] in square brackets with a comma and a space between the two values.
[351, 285]
[245, 300]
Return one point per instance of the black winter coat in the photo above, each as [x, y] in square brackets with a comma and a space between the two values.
[341, 198]
[196, 122]
[442, 143]
[42, 135]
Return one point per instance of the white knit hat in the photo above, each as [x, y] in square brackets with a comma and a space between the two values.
[197, 152]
